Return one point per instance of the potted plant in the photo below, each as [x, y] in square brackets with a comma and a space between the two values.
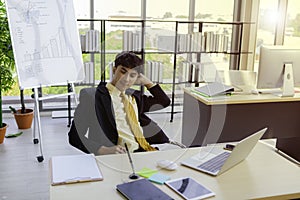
[6, 63]
[23, 116]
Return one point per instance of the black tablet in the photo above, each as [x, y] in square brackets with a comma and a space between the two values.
[142, 189]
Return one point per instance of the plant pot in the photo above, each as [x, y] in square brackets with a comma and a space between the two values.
[24, 120]
[2, 132]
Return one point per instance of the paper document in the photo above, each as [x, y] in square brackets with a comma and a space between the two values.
[74, 169]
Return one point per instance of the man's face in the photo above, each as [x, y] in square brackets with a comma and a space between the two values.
[124, 77]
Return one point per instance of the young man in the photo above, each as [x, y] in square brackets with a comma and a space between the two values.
[119, 116]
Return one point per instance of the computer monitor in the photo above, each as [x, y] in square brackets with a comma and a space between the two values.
[279, 67]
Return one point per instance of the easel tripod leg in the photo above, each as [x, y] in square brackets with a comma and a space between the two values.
[35, 140]
[38, 120]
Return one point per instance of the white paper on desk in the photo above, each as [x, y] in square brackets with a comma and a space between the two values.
[74, 168]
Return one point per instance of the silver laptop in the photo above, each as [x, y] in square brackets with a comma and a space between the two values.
[215, 161]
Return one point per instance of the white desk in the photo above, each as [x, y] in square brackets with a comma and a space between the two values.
[264, 174]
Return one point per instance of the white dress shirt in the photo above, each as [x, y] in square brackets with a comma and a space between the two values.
[124, 130]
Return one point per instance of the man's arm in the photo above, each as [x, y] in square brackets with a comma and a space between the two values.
[159, 98]
[90, 134]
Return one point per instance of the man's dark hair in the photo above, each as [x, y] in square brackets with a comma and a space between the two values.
[130, 60]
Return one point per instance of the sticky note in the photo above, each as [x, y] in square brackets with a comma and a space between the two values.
[159, 178]
[146, 172]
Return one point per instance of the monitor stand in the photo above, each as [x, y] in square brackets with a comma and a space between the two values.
[288, 81]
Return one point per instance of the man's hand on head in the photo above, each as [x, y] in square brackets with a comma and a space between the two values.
[143, 80]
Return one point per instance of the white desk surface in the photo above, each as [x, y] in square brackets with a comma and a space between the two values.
[240, 98]
[264, 174]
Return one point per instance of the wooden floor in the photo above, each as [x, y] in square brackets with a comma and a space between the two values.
[22, 177]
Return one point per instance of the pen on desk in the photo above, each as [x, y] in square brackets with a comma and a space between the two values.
[133, 175]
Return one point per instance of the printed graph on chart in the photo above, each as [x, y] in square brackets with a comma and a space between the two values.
[45, 41]
[56, 48]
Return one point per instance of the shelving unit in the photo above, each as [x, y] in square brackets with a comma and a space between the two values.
[102, 24]
[208, 45]
[175, 46]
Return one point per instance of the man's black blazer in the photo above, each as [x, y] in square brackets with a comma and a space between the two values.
[95, 114]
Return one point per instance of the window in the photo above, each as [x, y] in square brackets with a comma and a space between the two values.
[212, 10]
[216, 11]
[292, 28]
[267, 19]
[167, 9]
[105, 9]
[82, 9]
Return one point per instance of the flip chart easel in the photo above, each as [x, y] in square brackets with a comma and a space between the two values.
[46, 46]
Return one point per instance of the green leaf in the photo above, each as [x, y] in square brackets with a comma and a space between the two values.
[13, 135]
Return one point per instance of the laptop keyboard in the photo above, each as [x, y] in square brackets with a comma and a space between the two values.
[213, 165]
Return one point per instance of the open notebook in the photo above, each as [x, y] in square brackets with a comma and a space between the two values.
[214, 89]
